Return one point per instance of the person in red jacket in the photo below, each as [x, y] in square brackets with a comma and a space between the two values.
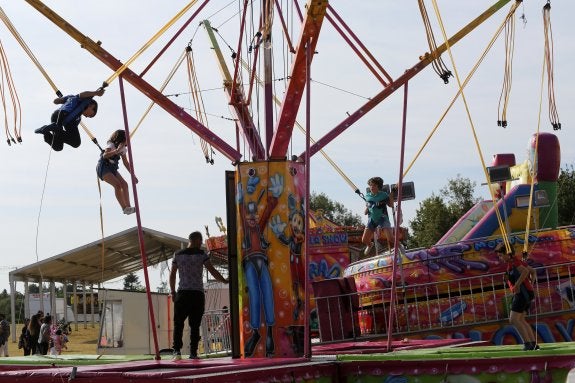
[519, 278]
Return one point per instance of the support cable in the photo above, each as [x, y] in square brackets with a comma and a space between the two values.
[148, 44]
[102, 242]
[277, 101]
[161, 89]
[467, 79]
[472, 126]
[534, 163]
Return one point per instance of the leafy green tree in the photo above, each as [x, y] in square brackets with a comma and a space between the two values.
[437, 214]
[33, 288]
[432, 220]
[6, 309]
[566, 196]
[334, 211]
[5, 303]
[458, 195]
[132, 283]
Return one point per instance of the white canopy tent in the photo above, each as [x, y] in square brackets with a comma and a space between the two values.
[103, 260]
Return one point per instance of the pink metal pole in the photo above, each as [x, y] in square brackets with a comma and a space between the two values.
[140, 232]
[173, 38]
[297, 8]
[357, 51]
[354, 36]
[284, 26]
[268, 86]
[306, 335]
[238, 53]
[397, 221]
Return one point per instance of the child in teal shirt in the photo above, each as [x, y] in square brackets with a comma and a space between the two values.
[377, 202]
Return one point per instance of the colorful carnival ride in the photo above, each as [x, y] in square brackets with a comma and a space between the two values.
[453, 290]
[457, 288]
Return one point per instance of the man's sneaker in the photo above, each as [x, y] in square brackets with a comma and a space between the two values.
[194, 356]
[129, 210]
[177, 355]
[368, 249]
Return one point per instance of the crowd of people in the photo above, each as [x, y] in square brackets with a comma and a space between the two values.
[40, 335]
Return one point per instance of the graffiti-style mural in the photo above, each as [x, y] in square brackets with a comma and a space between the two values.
[270, 201]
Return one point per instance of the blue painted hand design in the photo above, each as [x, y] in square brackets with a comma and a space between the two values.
[253, 181]
[277, 185]
[277, 225]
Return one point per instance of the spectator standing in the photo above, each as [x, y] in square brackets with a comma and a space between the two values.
[24, 340]
[45, 336]
[4, 335]
[34, 330]
[189, 300]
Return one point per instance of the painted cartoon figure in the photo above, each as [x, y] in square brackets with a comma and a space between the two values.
[255, 260]
[294, 240]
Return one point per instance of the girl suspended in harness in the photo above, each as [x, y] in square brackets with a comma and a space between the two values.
[65, 120]
[107, 169]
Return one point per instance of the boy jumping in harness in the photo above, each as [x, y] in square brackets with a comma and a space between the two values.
[65, 120]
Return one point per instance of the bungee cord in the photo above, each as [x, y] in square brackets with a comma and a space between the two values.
[507, 72]
[198, 103]
[7, 81]
[549, 64]
[437, 62]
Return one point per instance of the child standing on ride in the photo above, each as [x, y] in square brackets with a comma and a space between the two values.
[377, 202]
[107, 169]
[519, 277]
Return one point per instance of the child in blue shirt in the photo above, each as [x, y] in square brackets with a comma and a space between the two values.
[377, 202]
[65, 120]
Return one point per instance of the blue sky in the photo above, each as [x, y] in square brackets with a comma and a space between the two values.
[178, 192]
